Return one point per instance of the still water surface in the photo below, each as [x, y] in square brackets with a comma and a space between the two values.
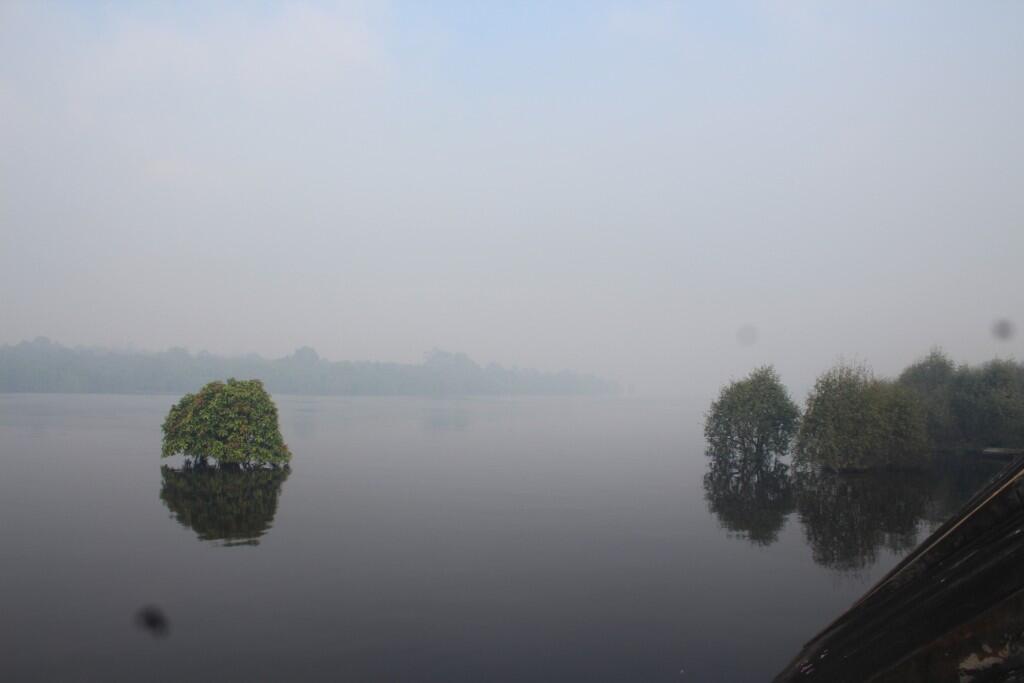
[427, 540]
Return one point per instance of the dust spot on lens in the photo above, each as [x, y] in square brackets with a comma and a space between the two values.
[152, 620]
[746, 335]
[1002, 329]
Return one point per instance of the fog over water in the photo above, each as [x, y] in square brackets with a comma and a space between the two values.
[664, 194]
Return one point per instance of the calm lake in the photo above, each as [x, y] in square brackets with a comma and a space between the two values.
[428, 540]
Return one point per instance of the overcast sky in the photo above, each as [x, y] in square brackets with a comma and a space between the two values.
[616, 188]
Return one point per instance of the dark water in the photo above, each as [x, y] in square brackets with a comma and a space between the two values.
[427, 540]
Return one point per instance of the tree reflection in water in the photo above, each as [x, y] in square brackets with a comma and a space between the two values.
[750, 503]
[233, 505]
[847, 518]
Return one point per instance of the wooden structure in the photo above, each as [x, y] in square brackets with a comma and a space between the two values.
[1004, 454]
[951, 610]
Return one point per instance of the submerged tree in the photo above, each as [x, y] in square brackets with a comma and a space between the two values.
[233, 422]
[752, 419]
[854, 421]
[233, 505]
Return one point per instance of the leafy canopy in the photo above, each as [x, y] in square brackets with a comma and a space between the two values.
[752, 418]
[854, 421]
[970, 406]
[233, 422]
[932, 380]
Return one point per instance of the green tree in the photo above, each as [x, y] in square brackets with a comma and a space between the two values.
[752, 420]
[854, 421]
[233, 422]
[988, 403]
[932, 380]
[903, 425]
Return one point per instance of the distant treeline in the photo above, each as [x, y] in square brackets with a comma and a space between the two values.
[44, 366]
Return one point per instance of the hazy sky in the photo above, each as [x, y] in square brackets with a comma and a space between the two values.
[606, 187]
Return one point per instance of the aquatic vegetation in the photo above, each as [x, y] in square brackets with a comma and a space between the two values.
[855, 421]
[931, 379]
[233, 422]
[752, 419]
[970, 406]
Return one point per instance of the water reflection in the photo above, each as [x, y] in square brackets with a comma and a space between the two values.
[235, 506]
[303, 420]
[750, 503]
[446, 416]
[847, 519]
[954, 480]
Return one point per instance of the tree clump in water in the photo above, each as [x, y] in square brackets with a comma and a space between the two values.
[752, 421]
[233, 423]
[855, 421]
[978, 406]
